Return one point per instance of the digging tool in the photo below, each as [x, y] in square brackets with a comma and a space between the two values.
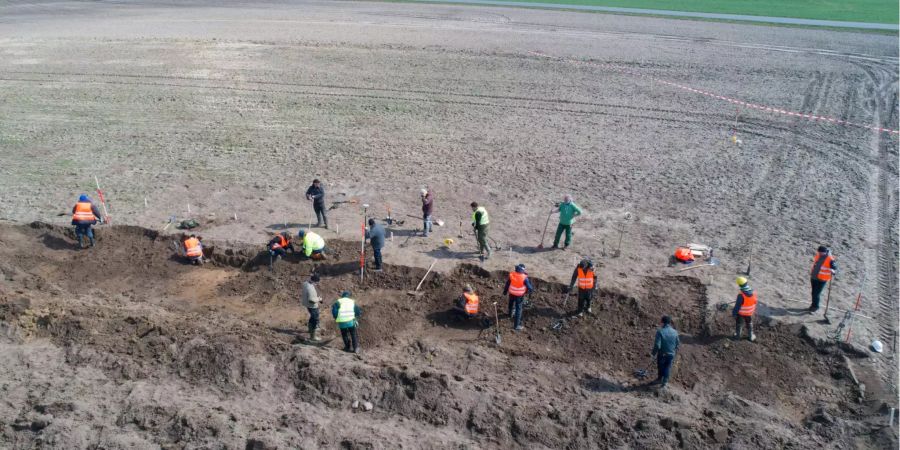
[546, 225]
[618, 251]
[102, 201]
[640, 374]
[362, 244]
[710, 262]
[416, 292]
[559, 324]
[497, 338]
[828, 300]
[749, 261]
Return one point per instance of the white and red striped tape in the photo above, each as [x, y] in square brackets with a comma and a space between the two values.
[727, 99]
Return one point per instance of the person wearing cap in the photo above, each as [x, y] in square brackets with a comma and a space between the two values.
[375, 235]
[517, 286]
[586, 280]
[823, 269]
[744, 307]
[313, 245]
[665, 346]
[309, 297]
[346, 312]
[316, 194]
[568, 211]
[427, 210]
[481, 223]
[84, 216]
[467, 303]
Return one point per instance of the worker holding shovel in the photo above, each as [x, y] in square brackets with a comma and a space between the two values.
[823, 269]
[568, 211]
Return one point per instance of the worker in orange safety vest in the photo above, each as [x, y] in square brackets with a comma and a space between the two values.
[823, 269]
[517, 286]
[586, 280]
[84, 216]
[467, 304]
[744, 308]
[193, 249]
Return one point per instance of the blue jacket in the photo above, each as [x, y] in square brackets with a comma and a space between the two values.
[666, 341]
[739, 301]
[529, 288]
[376, 236]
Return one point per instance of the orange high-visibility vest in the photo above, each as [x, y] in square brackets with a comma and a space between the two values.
[517, 284]
[825, 272]
[471, 303]
[192, 248]
[585, 279]
[684, 254]
[282, 242]
[84, 212]
[748, 306]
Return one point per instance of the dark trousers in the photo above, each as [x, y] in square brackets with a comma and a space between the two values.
[376, 252]
[349, 336]
[559, 231]
[664, 366]
[584, 299]
[313, 318]
[817, 287]
[748, 321]
[319, 208]
[515, 309]
[84, 230]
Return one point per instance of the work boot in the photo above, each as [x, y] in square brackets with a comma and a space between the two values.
[92, 242]
[737, 331]
[590, 311]
[751, 337]
[313, 334]
[520, 328]
[356, 350]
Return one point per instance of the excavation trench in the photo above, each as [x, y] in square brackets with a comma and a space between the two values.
[132, 308]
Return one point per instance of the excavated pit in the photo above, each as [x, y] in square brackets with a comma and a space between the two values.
[215, 354]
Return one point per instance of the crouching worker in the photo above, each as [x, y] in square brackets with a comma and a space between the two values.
[467, 304]
[84, 216]
[313, 245]
[193, 249]
[278, 247]
[346, 312]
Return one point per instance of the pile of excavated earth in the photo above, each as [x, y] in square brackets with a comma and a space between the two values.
[125, 345]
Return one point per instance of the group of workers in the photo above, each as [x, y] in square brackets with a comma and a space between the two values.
[346, 311]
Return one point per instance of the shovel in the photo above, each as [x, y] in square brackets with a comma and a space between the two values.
[711, 262]
[497, 337]
[416, 292]
[559, 324]
[640, 374]
[827, 301]
[546, 225]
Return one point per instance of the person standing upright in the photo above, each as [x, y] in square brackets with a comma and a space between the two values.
[665, 345]
[480, 223]
[517, 286]
[823, 269]
[427, 211]
[316, 193]
[346, 312]
[586, 280]
[310, 300]
[568, 211]
[375, 235]
[744, 307]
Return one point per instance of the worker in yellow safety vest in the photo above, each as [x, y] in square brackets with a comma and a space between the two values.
[480, 223]
[313, 244]
[346, 312]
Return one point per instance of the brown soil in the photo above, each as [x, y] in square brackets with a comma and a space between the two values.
[125, 345]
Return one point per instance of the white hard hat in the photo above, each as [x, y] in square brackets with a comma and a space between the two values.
[424, 191]
[877, 346]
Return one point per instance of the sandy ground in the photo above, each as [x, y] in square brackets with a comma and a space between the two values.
[231, 110]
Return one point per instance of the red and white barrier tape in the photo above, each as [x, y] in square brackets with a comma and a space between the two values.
[724, 98]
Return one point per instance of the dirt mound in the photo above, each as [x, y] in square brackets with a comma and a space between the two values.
[127, 338]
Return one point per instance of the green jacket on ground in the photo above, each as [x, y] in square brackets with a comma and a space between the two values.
[568, 212]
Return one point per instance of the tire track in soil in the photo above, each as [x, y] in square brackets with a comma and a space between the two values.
[723, 121]
[887, 219]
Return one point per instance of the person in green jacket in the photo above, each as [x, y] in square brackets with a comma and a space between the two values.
[568, 211]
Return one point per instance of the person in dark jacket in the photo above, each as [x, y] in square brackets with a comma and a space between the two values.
[427, 211]
[84, 216]
[278, 247]
[346, 312]
[375, 235]
[517, 286]
[744, 307]
[823, 269]
[664, 348]
[584, 277]
[316, 193]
